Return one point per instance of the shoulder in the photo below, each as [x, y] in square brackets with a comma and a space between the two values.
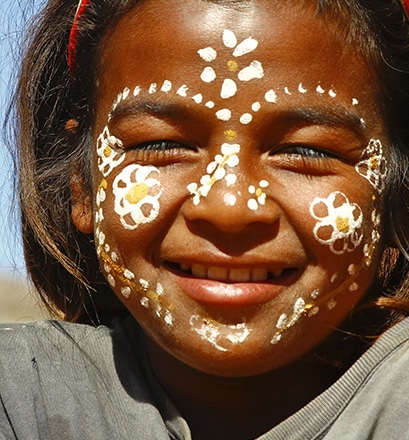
[371, 400]
[73, 381]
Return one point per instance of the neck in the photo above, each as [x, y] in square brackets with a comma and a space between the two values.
[215, 407]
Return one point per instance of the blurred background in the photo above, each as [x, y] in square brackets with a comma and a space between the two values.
[17, 300]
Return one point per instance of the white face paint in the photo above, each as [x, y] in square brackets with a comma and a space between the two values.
[109, 151]
[219, 336]
[137, 195]
[373, 165]
[344, 219]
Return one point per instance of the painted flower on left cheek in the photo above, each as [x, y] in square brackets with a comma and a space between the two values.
[137, 195]
[339, 222]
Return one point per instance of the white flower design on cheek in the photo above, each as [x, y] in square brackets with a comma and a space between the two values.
[253, 71]
[109, 156]
[373, 165]
[137, 195]
[339, 222]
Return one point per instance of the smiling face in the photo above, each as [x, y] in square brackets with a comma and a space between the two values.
[239, 169]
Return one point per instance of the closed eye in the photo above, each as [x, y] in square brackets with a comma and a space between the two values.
[307, 152]
[161, 145]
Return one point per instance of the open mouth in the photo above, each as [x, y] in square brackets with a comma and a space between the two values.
[229, 275]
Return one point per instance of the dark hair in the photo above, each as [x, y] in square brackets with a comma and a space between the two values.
[62, 261]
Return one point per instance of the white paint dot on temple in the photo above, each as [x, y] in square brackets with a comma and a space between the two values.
[208, 75]
[230, 199]
[256, 106]
[128, 274]
[136, 91]
[354, 287]
[144, 283]
[198, 98]
[111, 280]
[125, 93]
[263, 184]
[252, 189]
[207, 54]
[252, 204]
[166, 86]
[253, 71]
[224, 114]
[246, 46]
[246, 118]
[352, 269]
[301, 88]
[209, 104]
[287, 91]
[144, 302]
[320, 90]
[168, 319]
[229, 38]
[183, 90]
[355, 101]
[271, 96]
[126, 292]
[229, 88]
[332, 93]
[231, 179]
[363, 122]
[152, 88]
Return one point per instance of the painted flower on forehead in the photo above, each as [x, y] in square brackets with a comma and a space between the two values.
[339, 222]
[137, 195]
[254, 70]
[373, 165]
[109, 151]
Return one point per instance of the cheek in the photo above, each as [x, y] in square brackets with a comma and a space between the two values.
[137, 192]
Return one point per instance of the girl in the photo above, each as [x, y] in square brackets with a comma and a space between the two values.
[215, 204]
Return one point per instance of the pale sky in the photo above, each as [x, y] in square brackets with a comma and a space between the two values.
[13, 17]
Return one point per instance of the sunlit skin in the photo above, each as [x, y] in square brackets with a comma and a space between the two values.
[301, 157]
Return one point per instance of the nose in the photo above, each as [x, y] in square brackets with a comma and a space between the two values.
[231, 202]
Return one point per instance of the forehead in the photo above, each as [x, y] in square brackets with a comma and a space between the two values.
[160, 40]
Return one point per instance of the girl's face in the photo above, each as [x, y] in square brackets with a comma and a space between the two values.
[239, 171]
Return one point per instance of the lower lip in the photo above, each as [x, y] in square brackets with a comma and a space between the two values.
[217, 292]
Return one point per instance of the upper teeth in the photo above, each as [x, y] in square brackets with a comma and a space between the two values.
[233, 275]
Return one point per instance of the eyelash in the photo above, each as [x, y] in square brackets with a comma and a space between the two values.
[307, 153]
[159, 146]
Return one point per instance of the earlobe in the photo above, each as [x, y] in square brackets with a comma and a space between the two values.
[81, 211]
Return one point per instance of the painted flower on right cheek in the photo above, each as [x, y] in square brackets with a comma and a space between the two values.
[339, 222]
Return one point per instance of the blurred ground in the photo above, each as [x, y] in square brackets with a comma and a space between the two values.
[17, 301]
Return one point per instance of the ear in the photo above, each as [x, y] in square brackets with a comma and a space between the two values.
[81, 205]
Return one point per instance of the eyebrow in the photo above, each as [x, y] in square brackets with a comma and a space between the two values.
[337, 116]
[333, 117]
[163, 109]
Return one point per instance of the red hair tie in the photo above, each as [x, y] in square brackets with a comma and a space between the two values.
[73, 40]
[405, 4]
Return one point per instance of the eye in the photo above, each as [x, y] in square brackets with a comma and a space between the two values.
[160, 152]
[307, 152]
[161, 146]
[305, 159]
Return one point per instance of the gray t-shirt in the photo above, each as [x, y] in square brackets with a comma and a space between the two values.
[65, 381]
